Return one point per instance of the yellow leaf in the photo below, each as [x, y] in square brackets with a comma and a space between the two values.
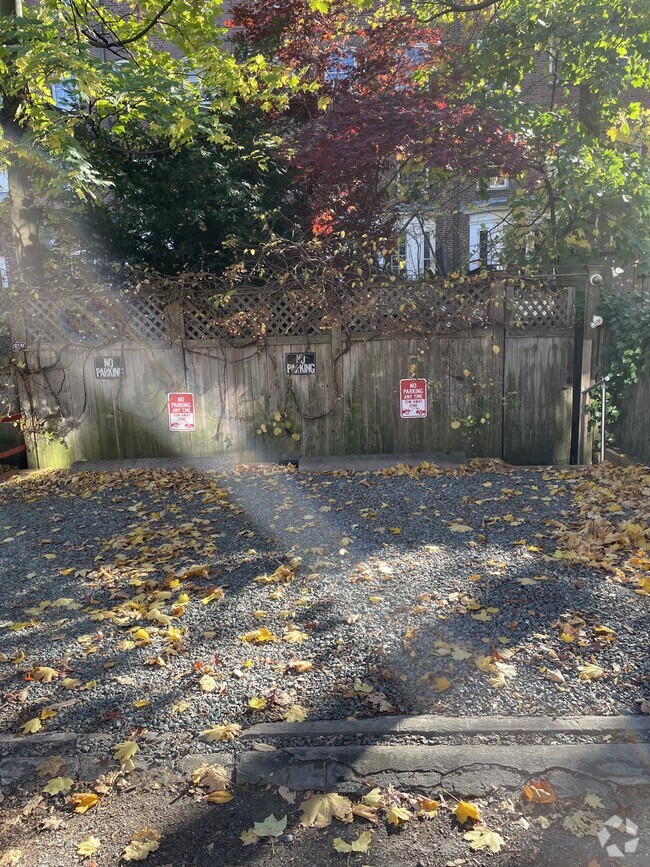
[296, 713]
[460, 528]
[594, 801]
[83, 801]
[219, 797]
[57, 785]
[258, 636]
[496, 350]
[88, 846]
[141, 702]
[226, 732]
[427, 808]
[11, 857]
[301, 665]
[358, 686]
[582, 824]
[257, 703]
[212, 597]
[373, 798]
[398, 815]
[249, 837]
[590, 671]
[482, 838]
[441, 684]
[49, 556]
[43, 673]
[465, 810]
[124, 751]
[144, 842]
[31, 726]
[359, 845]
[70, 682]
[319, 810]
[295, 636]
[207, 683]
[455, 424]
[214, 778]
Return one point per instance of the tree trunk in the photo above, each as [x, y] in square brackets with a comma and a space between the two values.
[23, 209]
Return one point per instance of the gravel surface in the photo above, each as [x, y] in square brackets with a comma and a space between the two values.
[406, 591]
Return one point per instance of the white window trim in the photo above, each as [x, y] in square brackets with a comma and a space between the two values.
[414, 240]
[4, 272]
[494, 222]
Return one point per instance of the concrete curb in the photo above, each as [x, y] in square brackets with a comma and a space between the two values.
[468, 770]
[440, 726]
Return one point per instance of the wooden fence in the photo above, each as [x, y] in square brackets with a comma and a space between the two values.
[632, 431]
[497, 363]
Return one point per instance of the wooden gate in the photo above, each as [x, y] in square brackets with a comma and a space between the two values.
[538, 379]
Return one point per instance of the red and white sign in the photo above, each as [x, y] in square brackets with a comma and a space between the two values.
[413, 398]
[180, 407]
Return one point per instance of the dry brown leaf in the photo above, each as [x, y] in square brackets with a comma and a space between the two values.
[319, 810]
[538, 792]
[52, 766]
[214, 778]
[365, 812]
[144, 842]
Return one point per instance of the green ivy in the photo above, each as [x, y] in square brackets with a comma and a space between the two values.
[280, 425]
[626, 354]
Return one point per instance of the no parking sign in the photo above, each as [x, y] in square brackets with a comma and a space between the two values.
[413, 398]
[180, 406]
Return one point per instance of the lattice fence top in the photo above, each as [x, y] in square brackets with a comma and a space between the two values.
[551, 310]
[402, 306]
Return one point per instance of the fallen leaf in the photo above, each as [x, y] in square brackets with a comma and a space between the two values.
[58, 785]
[31, 726]
[398, 815]
[52, 766]
[214, 778]
[143, 843]
[482, 838]
[296, 713]
[319, 810]
[88, 846]
[289, 797]
[270, 827]
[582, 824]
[365, 812]
[295, 636]
[301, 665]
[590, 671]
[373, 798]
[220, 797]
[427, 808]
[43, 673]
[207, 683]
[249, 837]
[359, 845]
[538, 792]
[465, 810]
[441, 684]
[11, 857]
[124, 752]
[259, 636]
[83, 801]
[257, 703]
[460, 528]
[594, 801]
[226, 732]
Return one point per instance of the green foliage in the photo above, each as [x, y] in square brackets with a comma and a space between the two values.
[626, 355]
[280, 425]
[188, 209]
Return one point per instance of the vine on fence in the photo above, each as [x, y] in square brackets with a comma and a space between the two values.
[626, 355]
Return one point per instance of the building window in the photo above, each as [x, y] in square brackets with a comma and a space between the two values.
[397, 260]
[66, 94]
[486, 239]
[498, 183]
[415, 256]
[340, 68]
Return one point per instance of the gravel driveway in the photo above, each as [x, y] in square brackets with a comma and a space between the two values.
[170, 601]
